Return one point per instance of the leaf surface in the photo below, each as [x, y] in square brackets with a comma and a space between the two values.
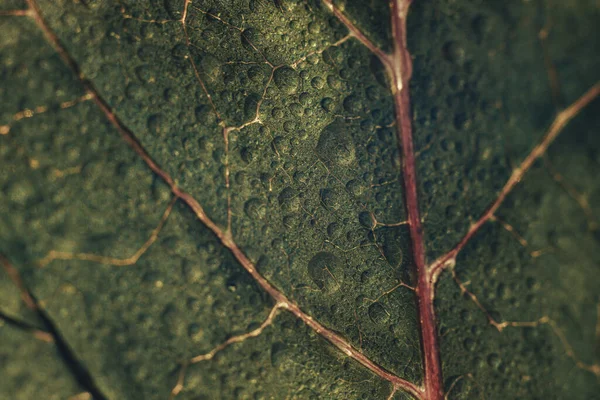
[209, 199]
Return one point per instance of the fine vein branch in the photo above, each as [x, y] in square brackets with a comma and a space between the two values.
[220, 347]
[557, 126]
[224, 236]
[115, 261]
[358, 34]
[544, 320]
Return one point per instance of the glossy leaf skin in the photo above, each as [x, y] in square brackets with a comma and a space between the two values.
[281, 125]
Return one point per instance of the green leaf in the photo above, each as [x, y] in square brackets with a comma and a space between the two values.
[256, 199]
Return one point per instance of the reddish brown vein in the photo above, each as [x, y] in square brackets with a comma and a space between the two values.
[559, 123]
[399, 68]
[27, 298]
[359, 35]
[400, 76]
[14, 276]
[51, 333]
[223, 236]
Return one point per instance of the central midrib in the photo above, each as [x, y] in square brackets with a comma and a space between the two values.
[400, 71]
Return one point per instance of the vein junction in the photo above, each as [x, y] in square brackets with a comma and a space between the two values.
[398, 65]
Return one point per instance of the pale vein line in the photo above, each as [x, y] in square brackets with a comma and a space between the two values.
[115, 261]
[343, 40]
[358, 34]
[32, 112]
[217, 349]
[544, 320]
[458, 379]
[392, 393]
[188, 43]
[559, 123]
[17, 323]
[224, 236]
[15, 13]
[240, 338]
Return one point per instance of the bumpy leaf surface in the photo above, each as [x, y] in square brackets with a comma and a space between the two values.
[208, 199]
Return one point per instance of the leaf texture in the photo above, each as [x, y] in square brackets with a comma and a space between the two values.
[215, 199]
